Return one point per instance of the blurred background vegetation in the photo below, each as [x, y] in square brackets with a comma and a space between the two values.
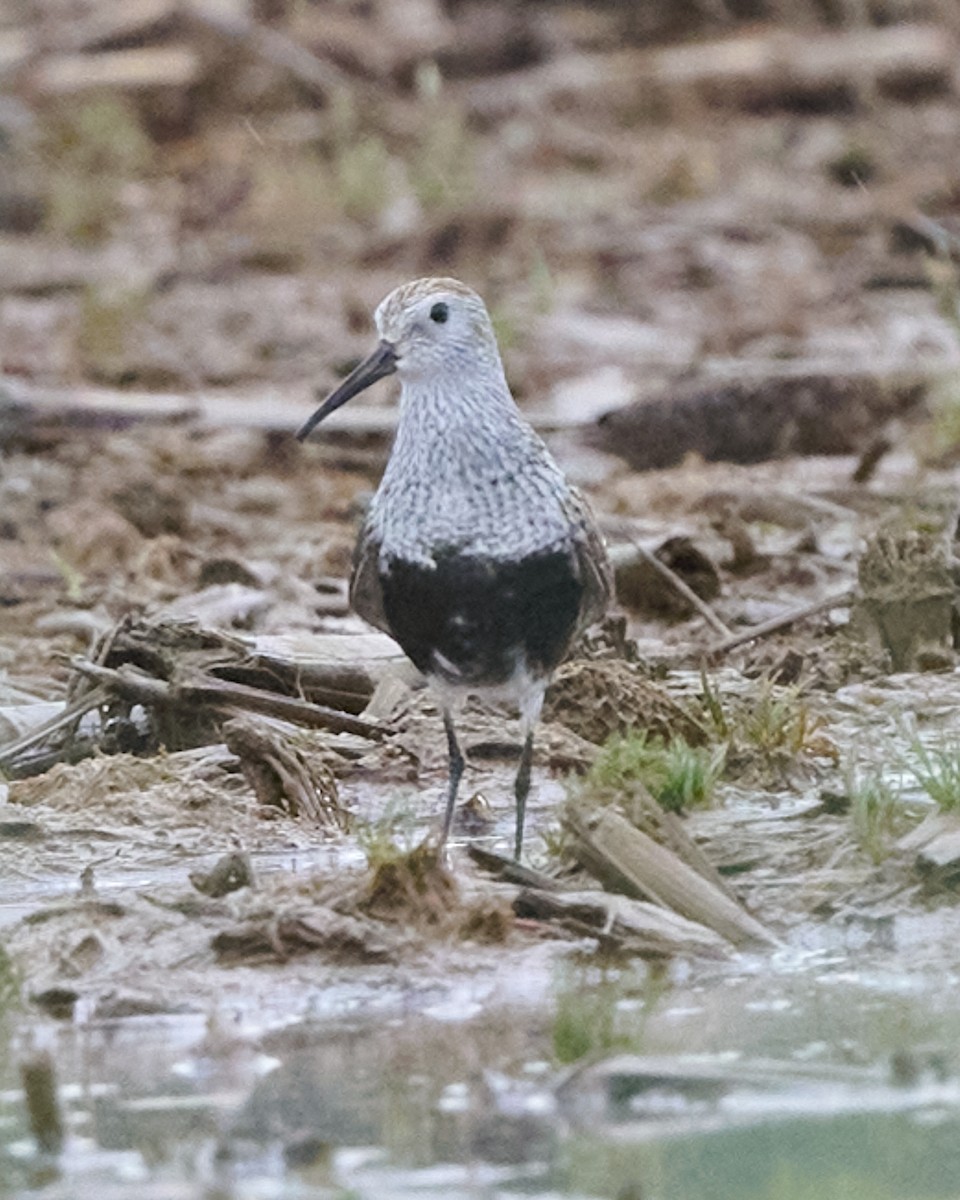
[216, 192]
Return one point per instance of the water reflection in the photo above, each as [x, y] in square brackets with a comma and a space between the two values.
[406, 1105]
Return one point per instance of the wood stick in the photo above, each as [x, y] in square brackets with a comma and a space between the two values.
[687, 592]
[203, 689]
[627, 860]
[620, 923]
[775, 624]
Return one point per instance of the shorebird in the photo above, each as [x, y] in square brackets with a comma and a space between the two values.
[475, 555]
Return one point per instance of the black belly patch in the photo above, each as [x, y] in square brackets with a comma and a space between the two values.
[480, 615]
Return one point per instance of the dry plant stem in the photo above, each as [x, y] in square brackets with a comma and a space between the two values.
[202, 689]
[775, 624]
[684, 590]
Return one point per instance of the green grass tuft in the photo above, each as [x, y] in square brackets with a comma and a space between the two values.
[10, 984]
[362, 173]
[771, 727]
[443, 164]
[89, 150]
[937, 770]
[677, 775]
[601, 1010]
[391, 837]
[876, 812]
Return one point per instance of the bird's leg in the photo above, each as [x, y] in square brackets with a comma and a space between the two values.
[456, 772]
[530, 706]
[522, 789]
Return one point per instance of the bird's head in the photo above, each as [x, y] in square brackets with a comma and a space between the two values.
[430, 327]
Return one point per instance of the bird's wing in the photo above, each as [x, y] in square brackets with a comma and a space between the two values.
[366, 592]
[592, 560]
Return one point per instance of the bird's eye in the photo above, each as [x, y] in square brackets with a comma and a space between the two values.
[439, 312]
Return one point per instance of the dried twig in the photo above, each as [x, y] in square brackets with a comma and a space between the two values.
[687, 592]
[203, 689]
[775, 624]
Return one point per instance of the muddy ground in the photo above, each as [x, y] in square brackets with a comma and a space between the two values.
[686, 209]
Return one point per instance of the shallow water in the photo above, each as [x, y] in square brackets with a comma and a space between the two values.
[826, 1068]
[790, 1077]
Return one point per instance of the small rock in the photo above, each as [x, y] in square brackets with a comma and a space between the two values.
[228, 874]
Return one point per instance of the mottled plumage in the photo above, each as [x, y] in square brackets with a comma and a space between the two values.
[476, 554]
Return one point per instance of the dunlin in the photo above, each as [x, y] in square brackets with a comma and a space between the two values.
[476, 555]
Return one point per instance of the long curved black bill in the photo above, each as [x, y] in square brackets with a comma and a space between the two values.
[383, 361]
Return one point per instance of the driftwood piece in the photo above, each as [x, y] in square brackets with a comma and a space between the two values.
[200, 690]
[335, 670]
[627, 860]
[755, 420]
[510, 871]
[282, 775]
[621, 923]
[667, 829]
[190, 678]
[348, 666]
